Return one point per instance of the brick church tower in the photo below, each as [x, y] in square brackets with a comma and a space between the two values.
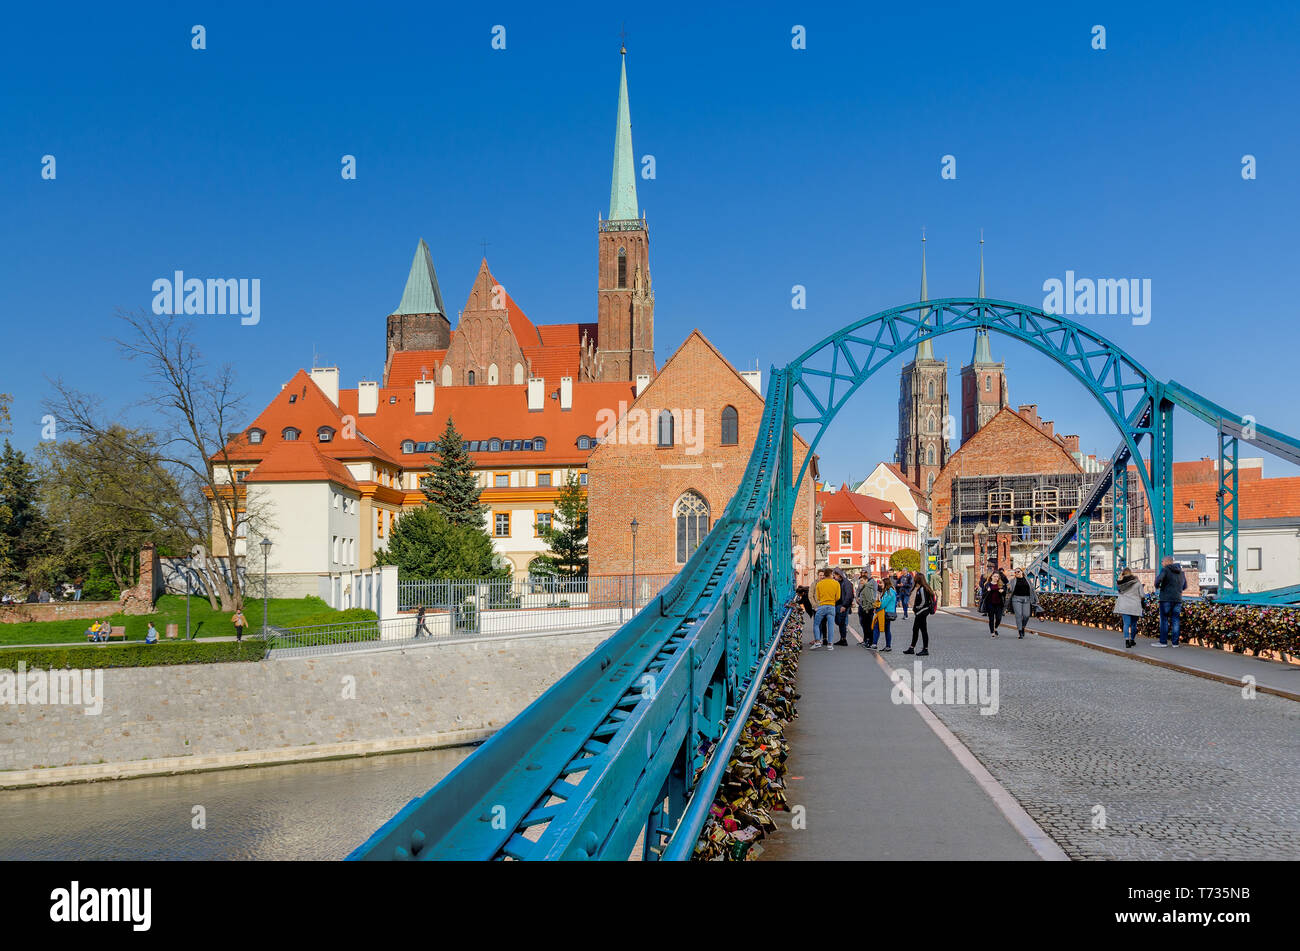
[420, 320]
[923, 410]
[983, 380]
[625, 297]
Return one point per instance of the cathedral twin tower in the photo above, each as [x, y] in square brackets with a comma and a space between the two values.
[496, 343]
[924, 423]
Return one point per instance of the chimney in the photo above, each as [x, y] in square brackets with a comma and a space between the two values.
[755, 379]
[424, 396]
[327, 378]
[642, 381]
[536, 394]
[1072, 443]
[1048, 427]
[566, 392]
[367, 398]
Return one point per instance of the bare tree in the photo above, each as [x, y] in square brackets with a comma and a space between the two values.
[193, 411]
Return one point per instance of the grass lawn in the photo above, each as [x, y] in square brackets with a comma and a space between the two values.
[204, 622]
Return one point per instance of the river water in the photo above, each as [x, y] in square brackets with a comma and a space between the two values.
[318, 811]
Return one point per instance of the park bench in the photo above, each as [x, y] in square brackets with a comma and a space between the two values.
[117, 634]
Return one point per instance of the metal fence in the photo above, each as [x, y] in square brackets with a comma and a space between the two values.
[456, 610]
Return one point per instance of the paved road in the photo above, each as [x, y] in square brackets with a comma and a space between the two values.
[1183, 767]
[874, 780]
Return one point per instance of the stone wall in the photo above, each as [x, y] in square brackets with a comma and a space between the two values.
[57, 611]
[209, 711]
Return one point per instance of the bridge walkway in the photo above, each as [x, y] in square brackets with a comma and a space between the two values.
[877, 781]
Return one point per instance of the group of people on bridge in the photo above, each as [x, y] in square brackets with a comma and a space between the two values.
[878, 603]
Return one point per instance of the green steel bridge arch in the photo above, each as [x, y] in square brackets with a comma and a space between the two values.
[627, 749]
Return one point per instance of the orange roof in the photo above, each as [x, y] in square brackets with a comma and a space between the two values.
[407, 366]
[300, 461]
[845, 506]
[1256, 498]
[482, 413]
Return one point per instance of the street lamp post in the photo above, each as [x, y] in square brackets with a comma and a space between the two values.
[266, 554]
[634, 526]
[189, 563]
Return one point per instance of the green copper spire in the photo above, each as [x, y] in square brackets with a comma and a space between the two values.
[422, 295]
[924, 350]
[622, 190]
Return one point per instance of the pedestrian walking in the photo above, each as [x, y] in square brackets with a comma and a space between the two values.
[904, 591]
[419, 622]
[1128, 605]
[240, 622]
[827, 594]
[868, 595]
[925, 604]
[885, 614]
[1170, 583]
[1024, 600]
[994, 600]
[842, 607]
[979, 592]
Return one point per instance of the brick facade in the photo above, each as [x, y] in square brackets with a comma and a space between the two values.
[1007, 444]
[630, 476]
[923, 420]
[625, 301]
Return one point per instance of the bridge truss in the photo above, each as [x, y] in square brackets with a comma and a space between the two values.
[625, 751]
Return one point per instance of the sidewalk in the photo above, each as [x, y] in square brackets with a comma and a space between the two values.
[1273, 677]
[876, 781]
[85, 643]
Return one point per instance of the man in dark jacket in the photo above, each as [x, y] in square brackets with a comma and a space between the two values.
[1170, 584]
[904, 591]
[842, 607]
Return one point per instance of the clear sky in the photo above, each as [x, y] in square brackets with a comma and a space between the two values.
[774, 167]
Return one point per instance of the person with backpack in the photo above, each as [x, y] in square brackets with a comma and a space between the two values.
[1170, 583]
[925, 604]
[1128, 605]
[885, 614]
[868, 595]
[1024, 600]
[842, 607]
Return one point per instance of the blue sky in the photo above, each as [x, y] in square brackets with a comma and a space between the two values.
[774, 167]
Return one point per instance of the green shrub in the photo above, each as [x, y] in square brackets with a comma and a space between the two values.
[133, 655]
[337, 617]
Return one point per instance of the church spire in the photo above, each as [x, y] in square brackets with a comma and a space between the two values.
[422, 294]
[622, 190]
[924, 350]
[981, 353]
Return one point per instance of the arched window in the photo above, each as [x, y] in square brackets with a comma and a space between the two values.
[539, 444]
[492, 375]
[930, 484]
[692, 515]
[255, 436]
[584, 442]
[988, 384]
[324, 434]
[470, 378]
[622, 268]
[930, 390]
[929, 424]
[446, 374]
[289, 434]
[730, 426]
[665, 427]
[929, 456]
[494, 445]
[519, 373]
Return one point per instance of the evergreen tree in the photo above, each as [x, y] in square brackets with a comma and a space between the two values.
[451, 484]
[425, 545]
[567, 533]
[25, 535]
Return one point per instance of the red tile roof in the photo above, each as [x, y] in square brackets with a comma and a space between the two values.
[844, 506]
[407, 366]
[300, 461]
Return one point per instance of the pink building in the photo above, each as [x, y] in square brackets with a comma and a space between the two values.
[863, 532]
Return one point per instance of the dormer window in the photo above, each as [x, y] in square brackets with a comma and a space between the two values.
[408, 445]
[289, 434]
[539, 444]
[584, 442]
[255, 436]
[325, 434]
[494, 445]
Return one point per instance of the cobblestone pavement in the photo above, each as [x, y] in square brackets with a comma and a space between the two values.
[1184, 768]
